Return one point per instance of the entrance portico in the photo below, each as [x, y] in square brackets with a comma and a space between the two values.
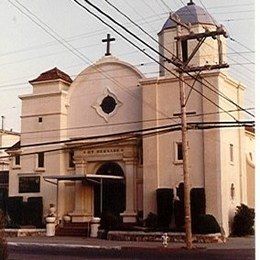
[116, 196]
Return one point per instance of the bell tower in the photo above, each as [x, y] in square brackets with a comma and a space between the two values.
[202, 39]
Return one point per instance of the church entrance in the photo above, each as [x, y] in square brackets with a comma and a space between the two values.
[110, 195]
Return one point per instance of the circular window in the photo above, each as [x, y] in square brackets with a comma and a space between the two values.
[108, 104]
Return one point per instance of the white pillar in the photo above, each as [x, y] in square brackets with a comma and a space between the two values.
[129, 216]
[80, 169]
[81, 212]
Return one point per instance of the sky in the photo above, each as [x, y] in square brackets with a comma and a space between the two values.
[29, 48]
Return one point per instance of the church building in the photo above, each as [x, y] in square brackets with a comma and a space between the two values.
[102, 141]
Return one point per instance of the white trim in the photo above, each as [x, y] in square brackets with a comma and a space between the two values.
[57, 93]
[40, 169]
[97, 107]
[43, 114]
[16, 167]
[50, 81]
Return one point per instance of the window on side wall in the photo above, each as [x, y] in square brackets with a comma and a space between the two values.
[17, 160]
[40, 163]
[178, 155]
[29, 184]
[71, 159]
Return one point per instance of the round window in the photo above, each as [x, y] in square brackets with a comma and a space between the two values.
[108, 104]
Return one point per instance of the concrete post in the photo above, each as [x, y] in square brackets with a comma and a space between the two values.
[129, 216]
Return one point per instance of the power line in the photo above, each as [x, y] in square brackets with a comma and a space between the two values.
[114, 21]
[231, 6]
[47, 44]
[229, 37]
[119, 140]
[145, 52]
[12, 85]
[33, 20]
[138, 26]
[166, 5]
[52, 43]
[99, 143]
[146, 32]
[231, 101]
[100, 31]
[69, 39]
[80, 75]
[216, 26]
[126, 134]
[241, 44]
[57, 37]
[237, 19]
[126, 123]
[93, 137]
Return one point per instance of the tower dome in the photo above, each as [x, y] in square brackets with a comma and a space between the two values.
[192, 14]
[200, 21]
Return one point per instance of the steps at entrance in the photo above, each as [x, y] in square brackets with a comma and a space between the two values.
[73, 229]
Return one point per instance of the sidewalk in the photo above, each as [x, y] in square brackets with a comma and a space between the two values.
[81, 242]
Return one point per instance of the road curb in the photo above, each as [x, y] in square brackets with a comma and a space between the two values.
[65, 246]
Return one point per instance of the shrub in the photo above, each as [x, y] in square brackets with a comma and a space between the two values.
[198, 202]
[35, 208]
[110, 221]
[3, 245]
[180, 191]
[164, 207]
[139, 220]
[205, 224]
[243, 223]
[14, 209]
[179, 216]
[178, 208]
[151, 221]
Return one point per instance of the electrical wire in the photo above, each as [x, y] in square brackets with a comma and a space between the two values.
[212, 47]
[57, 37]
[135, 134]
[137, 24]
[124, 123]
[216, 26]
[232, 39]
[128, 31]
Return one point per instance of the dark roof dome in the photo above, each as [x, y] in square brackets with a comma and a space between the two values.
[190, 14]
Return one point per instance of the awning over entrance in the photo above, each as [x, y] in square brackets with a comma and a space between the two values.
[81, 177]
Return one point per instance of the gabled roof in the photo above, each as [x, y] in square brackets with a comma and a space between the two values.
[52, 74]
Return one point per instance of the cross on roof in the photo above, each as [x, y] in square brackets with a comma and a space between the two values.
[108, 40]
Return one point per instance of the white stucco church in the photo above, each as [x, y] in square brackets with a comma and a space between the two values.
[112, 97]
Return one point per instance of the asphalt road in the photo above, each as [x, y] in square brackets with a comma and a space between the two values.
[29, 252]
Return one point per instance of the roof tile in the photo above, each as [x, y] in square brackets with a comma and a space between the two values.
[52, 74]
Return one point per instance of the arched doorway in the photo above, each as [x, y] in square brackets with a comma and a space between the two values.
[113, 191]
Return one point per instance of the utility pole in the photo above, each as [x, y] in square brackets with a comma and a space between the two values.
[185, 154]
[184, 67]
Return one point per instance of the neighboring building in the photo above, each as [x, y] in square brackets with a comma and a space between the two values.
[7, 139]
[112, 96]
[250, 165]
